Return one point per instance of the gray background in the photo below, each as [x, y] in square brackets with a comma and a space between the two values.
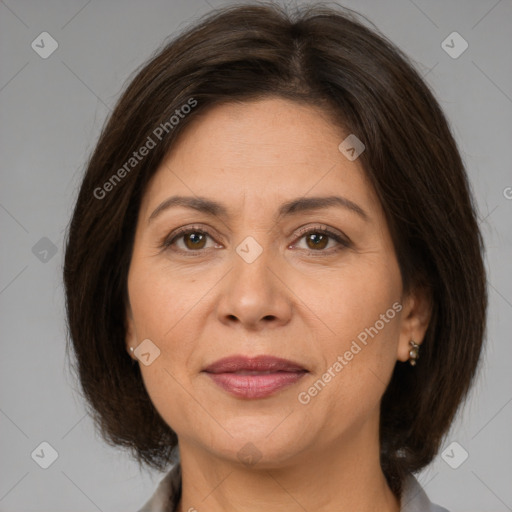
[51, 111]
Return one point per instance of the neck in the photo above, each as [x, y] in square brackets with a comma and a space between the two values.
[344, 475]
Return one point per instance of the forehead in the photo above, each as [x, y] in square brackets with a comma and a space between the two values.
[264, 150]
[260, 133]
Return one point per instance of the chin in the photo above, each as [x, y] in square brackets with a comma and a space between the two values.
[261, 443]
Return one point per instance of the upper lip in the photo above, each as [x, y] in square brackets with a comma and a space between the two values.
[263, 363]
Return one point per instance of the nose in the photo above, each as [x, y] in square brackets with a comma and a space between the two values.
[254, 295]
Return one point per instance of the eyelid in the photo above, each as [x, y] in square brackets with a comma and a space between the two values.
[170, 238]
[340, 238]
[321, 228]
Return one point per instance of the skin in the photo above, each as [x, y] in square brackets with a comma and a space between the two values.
[297, 300]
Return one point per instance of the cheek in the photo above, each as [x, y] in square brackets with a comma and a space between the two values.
[358, 314]
[351, 299]
[165, 307]
[160, 299]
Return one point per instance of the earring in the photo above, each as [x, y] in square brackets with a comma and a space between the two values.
[413, 353]
[131, 349]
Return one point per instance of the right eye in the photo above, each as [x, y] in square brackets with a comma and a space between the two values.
[188, 240]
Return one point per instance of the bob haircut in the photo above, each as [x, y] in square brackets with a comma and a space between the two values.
[322, 57]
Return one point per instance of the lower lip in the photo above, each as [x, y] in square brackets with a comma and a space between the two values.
[255, 386]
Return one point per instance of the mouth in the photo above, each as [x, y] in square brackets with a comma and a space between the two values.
[252, 378]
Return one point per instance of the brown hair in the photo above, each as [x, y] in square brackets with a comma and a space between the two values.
[323, 57]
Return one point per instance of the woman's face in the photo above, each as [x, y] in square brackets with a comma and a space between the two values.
[257, 277]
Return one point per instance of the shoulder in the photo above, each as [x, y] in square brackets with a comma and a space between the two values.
[167, 494]
[414, 498]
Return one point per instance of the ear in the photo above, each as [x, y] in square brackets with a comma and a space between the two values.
[415, 319]
[131, 333]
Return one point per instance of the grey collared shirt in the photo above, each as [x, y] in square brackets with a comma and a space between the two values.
[168, 492]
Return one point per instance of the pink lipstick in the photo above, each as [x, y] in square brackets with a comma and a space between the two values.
[257, 377]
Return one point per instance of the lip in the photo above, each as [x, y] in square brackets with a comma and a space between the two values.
[256, 377]
[263, 363]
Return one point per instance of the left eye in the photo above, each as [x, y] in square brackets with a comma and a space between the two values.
[318, 239]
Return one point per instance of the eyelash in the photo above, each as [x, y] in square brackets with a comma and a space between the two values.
[343, 242]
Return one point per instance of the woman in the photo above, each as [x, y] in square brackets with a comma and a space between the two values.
[274, 274]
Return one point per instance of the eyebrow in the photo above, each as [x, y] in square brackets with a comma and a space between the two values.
[300, 205]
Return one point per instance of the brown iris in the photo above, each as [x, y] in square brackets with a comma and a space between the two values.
[319, 240]
[196, 240]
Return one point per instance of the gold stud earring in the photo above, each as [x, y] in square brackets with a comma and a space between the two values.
[413, 353]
